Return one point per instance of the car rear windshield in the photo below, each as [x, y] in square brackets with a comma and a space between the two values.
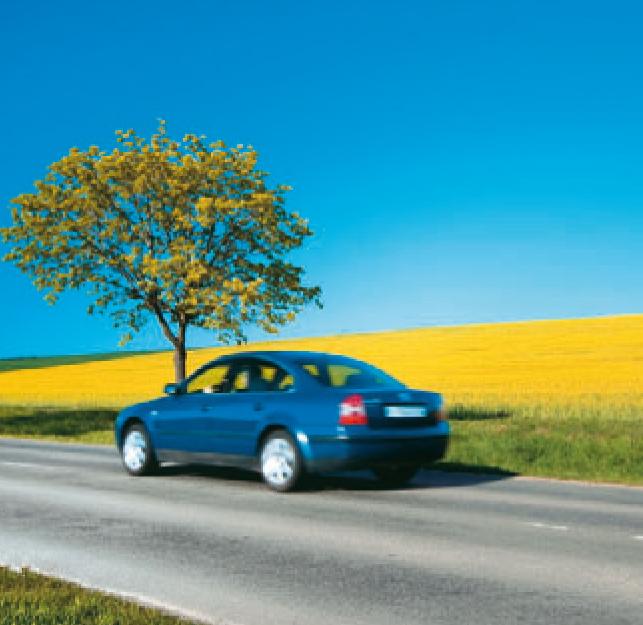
[340, 372]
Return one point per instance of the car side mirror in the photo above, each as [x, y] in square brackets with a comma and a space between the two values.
[172, 389]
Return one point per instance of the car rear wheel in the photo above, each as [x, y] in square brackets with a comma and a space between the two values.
[281, 463]
[137, 453]
[395, 476]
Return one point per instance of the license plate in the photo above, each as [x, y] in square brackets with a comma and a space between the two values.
[405, 411]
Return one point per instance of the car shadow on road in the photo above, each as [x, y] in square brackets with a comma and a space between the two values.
[443, 476]
[231, 474]
[426, 479]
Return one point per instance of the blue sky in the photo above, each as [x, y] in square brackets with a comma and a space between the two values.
[459, 161]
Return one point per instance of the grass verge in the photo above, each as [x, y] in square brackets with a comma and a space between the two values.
[27, 598]
[79, 425]
[597, 442]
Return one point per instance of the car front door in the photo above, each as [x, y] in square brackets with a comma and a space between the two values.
[182, 426]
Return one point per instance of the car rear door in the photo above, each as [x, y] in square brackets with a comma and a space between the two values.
[255, 388]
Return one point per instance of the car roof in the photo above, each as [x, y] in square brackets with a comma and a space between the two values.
[285, 358]
[288, 355]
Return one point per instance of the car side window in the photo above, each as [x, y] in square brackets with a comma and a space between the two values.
[260, 377]
[342, 375]
[312, 368]
[212, 380]
[240, 380]
[274, 378]
[286, 383]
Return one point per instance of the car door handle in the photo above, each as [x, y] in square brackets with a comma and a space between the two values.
[206, 408]
[258, 405]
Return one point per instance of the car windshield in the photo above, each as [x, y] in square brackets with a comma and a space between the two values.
[342, 372]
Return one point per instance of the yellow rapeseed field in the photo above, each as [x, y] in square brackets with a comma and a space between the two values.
[577, 361]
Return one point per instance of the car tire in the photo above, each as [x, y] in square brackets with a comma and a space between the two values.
[280, 462]
[137, 452]
[395, 477]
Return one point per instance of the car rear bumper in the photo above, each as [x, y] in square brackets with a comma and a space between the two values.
[334, 454]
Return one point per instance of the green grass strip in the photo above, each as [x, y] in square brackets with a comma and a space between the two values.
[27, 598]
[600, 443]
[40, 362]
[79, 425]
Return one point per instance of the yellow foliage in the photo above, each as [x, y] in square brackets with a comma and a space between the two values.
[156, 228]
[579, 361]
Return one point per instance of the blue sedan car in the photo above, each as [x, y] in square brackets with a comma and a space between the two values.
[286, 414]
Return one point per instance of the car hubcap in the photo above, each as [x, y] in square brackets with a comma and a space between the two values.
[134, 451]
[278, 461]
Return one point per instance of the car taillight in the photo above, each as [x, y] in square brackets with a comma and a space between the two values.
[441, 414]
[352, 411]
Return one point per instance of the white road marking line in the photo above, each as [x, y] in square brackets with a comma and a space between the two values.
[638, 537]
[29, 465]
[560, 528]
[7, 463]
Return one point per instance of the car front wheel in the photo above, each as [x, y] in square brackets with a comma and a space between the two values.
[137, 453]
[281, 462]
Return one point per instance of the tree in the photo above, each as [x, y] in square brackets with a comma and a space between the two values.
[186, 231]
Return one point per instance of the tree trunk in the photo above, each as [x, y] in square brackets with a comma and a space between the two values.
[180, 355]
[177, 341]
[179, 363]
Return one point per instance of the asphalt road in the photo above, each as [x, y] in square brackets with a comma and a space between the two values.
[215, 544]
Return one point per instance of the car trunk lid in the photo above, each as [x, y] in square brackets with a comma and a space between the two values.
[403, 408]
